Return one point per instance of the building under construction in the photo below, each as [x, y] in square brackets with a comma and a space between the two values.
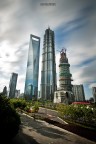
[64, 72]
[64, 94]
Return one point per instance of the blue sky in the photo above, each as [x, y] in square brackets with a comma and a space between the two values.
[74, 24]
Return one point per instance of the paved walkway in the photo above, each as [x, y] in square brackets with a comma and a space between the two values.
[40, 132]
[51, 114]
[48, 111]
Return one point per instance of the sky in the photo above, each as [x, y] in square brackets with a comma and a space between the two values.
[74, 25]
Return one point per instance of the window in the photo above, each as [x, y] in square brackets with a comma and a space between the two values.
[50, 56]
[56, 95]
[49, 65]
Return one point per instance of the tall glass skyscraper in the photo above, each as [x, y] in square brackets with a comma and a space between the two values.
[12, 85]
[31, 83]
[48, 71]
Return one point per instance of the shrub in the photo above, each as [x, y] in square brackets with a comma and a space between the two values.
[36, 107]
[27, 108]
[9, 120]
[80, 113]
[18, 103]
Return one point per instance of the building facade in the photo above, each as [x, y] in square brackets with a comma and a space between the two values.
[12, 85]
[64, 72]
[94, 93]
[48, 71]
[31, 82]
[17, 93]
[78, 91]
[5, 91]
[64, 94]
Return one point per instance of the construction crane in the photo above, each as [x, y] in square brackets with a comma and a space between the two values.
[63, 50]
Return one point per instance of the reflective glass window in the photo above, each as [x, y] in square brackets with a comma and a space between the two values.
[49, 65]
[50, 56]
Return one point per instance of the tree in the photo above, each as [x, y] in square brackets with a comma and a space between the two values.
[9, 120]
[91, 99]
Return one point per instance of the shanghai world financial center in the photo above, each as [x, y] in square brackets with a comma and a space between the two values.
[48, 69]
[31, 82]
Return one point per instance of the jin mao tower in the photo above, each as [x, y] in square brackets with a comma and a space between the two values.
[48, 72]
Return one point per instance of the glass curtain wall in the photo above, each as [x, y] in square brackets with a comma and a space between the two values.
[48, 72]
[12, 85]
[31, 83]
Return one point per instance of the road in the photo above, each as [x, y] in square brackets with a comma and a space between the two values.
[39, 132]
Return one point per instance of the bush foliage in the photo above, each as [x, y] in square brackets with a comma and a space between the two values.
[78, 113]
[9, 119]
[18, 103]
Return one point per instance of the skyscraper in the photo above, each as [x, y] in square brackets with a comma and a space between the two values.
[94, 93]
[78, 91]
[31, 83]
[5, 91]
[48, 71]
[12, 85]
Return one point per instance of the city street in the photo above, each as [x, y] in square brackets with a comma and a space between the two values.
[39, 132]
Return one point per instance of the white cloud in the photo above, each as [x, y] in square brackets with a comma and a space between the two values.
[74, 20]
[92, 85]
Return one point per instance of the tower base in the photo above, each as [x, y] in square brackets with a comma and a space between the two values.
[61, 96]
